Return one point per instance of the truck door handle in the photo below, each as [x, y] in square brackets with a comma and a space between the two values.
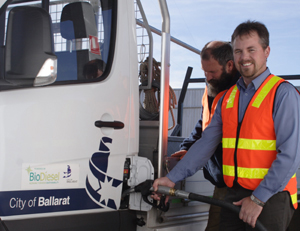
[114, 124]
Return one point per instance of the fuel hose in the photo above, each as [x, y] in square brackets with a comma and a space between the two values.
[196, 197]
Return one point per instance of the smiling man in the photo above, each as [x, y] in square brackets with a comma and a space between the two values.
[250, 55]
[258, 121]
[260, 167]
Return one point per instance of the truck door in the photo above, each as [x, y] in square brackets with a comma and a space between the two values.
[63, 145]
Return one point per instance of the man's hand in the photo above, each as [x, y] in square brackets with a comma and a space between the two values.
[179, 154]
[249, 211]
[165, 181]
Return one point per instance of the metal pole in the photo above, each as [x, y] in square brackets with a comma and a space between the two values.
[173, 39]
[150, 58]
[164, 86]
[178, 130]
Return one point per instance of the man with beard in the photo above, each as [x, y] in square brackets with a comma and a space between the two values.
[258, 122]
[220, 73]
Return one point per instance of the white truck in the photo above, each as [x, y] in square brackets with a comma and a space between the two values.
[71, 140]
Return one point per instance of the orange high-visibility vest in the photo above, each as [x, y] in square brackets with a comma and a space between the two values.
[206, 114]
[249, 148]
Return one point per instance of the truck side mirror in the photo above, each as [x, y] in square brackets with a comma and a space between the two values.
[29, 51]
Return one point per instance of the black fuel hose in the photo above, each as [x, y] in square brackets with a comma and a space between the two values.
[196, 197]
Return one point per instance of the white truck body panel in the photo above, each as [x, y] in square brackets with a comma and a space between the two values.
[45, 130]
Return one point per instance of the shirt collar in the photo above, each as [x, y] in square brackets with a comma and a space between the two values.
[256, 82]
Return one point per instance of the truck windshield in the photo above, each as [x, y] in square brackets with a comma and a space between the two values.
[82, 37]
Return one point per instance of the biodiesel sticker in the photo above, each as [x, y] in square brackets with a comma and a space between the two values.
[50, 176]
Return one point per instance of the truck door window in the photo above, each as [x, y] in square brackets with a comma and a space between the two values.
[83, 37]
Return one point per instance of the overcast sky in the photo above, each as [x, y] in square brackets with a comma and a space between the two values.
[196, 22]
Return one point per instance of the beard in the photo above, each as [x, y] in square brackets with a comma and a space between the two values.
[247, 72]
[215, 86]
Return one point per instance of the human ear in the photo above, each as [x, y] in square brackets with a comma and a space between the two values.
[267, 51]
[229, 66]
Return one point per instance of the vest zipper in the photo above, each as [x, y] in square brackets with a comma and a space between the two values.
[235, 152]
[238, 136]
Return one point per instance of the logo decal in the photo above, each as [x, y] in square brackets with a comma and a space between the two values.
[50, 176]
[68, 172]
[99, 185]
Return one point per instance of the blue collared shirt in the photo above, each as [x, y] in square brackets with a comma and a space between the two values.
[286, 116]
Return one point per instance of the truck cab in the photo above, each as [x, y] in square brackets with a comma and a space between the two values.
[66, 130]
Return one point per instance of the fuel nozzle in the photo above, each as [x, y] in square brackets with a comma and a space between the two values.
[172, 192]
[146, 190]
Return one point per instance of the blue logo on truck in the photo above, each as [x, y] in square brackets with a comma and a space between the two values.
[100, 191]
[67, 174]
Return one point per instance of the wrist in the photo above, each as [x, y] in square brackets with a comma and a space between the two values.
[257, 201]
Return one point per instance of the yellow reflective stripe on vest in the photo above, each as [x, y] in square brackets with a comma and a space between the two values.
[252, 173]
[267, 145]
[294, 198]
[249, 173]
[265, 90]
[250, 144]
[231, 97]
[228, 170]
[228, 142]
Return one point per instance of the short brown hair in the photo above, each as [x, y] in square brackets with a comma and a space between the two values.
[246, 28]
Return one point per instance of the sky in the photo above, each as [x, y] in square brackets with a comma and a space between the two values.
[197, 22]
